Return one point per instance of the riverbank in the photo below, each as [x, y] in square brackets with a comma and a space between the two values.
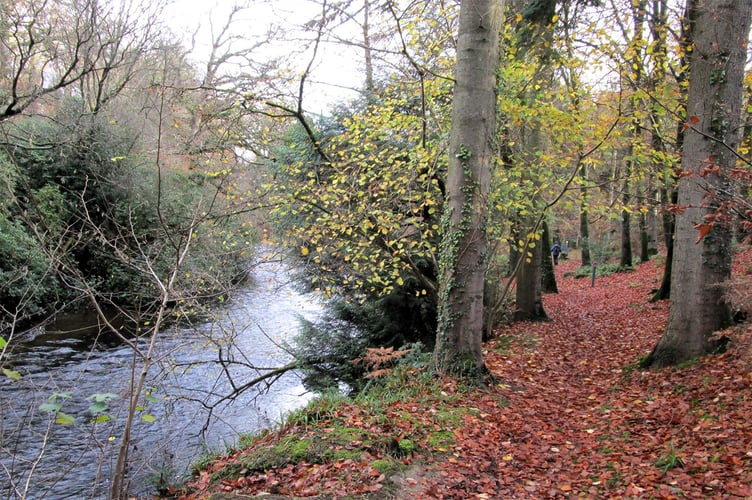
[570, 415]
[190, 404]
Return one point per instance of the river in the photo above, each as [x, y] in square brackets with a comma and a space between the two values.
[41, 459]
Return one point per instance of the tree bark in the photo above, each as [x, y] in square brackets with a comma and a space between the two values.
[549, 276]
[668, 191]
[584, 224]
[700, 263]
[636, 77]
[644, 238]
[536, 41]
[625, 259]
[664, 291]
[367, 49]
[463, 247]
[529, 297]
[529, 292]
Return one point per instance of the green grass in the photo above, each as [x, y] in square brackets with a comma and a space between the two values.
[601, 270]
[504, 344]
[380, 422]
[670, 460]
[441, 440]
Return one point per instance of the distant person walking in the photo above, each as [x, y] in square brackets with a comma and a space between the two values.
[556, 251]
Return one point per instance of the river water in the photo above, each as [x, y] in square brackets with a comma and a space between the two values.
[41, 459]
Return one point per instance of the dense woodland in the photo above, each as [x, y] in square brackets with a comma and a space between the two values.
[139, 176]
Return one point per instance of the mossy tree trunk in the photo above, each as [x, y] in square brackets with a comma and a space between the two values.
[702, 260]
[462, 257]
[529, 291]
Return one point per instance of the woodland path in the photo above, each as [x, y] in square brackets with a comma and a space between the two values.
[583, 421]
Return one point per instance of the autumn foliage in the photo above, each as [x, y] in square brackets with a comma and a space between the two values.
[569, 415]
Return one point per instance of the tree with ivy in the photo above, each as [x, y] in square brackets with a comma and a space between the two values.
[463, 248]
[358, 194]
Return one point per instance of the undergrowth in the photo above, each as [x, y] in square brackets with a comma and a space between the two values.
[600, 271]
[378, 428]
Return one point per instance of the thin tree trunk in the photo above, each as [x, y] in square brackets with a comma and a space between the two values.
[626, 230]
[584, 224]
[668, 191]
[368, 52]
[664, 292]
[549, 276]
[644, 238]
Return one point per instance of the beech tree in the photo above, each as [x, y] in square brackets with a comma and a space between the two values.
[711, 136]
[535, 39]
[462, 258]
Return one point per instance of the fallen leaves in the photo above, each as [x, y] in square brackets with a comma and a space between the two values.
[570, 415]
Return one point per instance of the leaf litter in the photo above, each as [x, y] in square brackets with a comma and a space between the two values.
[570, 415]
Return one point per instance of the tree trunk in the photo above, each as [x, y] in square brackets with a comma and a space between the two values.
[463, 246]
[668, 191]
[367, 50]
[700, 263]
[529, 292]
[537, 33]
[644, 238]
[515, 235]
[626, 231]
[664, 292]
[549, 276]
[636, 78]
[529, 297]
[584, 224]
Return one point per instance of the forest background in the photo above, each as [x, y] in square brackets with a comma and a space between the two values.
[138, 179]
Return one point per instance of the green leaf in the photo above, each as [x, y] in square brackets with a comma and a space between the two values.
[146, 417]
[3, 343]
[64, 418]
[62, 395]
[98, 407]
[50, 407]
[11, 374]
[103, 397]
[101, 418]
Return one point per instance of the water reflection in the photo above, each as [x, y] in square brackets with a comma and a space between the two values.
[73, 461]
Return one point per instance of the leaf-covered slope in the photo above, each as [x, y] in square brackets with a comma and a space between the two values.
[569, 416]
